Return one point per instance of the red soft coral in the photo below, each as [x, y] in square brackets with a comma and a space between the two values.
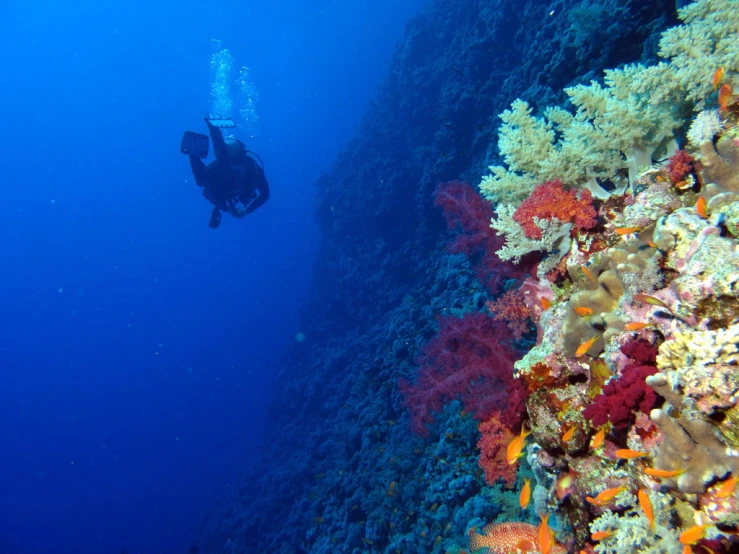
[680, 166]
[494, 439]
[623, 397]
[469, 359]
[469, 213]
[552, 201]
[513, 311]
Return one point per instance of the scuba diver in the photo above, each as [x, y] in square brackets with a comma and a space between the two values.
[234, 182]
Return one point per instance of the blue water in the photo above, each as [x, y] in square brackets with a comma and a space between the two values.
[136, 344]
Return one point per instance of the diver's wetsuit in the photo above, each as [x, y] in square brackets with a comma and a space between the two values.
[229, 179]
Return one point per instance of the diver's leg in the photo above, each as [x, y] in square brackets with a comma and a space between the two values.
[215, 219]
[199, 171]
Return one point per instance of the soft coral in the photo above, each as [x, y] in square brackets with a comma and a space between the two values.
[623, 397]
[552, 201]
[468, 213]
[468, 359]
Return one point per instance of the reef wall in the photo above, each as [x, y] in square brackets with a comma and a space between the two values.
[331, 477]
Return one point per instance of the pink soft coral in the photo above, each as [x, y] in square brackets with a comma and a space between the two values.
[552, 201]
[468, 213]
[623, 397]
[494, 439]
[469, 359]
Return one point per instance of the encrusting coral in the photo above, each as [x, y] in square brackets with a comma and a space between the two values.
[704, 367]
[690, 444]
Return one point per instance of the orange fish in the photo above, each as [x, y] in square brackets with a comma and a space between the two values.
[600, 535]
[636, 325]
[626, 230]
[565, 485]
[663, 473]
[546, 535]
[641, 297]
[588, 274]
[727, 488]
[599, 439]
[646, 506]
[693, 535]
[582, 311]
[525, 496]
[567, 437]
[700, 207]
[516, 446]
[546, 303]
[504, 538]
[724, 96]
[718, 76]
[584, 347]
[606, 496]
[626, 454]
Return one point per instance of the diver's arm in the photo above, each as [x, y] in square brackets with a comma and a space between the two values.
[219, 144]
[199, 171]
[263, 188]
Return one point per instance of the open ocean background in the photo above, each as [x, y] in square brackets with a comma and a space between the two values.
[137, 345]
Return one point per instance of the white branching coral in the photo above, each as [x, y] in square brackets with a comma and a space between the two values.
[555, 238]
[631, 532]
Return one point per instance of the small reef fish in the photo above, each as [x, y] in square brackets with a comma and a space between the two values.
[636, 325]
[725, 95]
[606, 496]
[693, 535]
[663, 473]
[626, 230]
[700, 207]
[641, 297]
[584, 347]
[582, 311]
[569, 434]
[626, 454]
[598, 439]
[525, 496]
[546, 535]
[504, 538]
[546, 303]
[600, 535]
[588, 273]
[727, 488]
[646, 506]
[516, 446]
[718, 76]
[565, 485]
